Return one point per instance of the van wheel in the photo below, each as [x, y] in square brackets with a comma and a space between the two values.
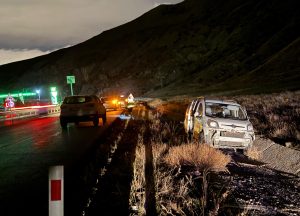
[96, 121]
[241, 151]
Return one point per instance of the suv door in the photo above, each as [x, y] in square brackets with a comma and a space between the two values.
[198, 122]
[189, 116]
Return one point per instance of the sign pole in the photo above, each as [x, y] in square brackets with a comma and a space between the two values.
[71, 89]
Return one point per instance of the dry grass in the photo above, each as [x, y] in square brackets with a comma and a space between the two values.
[203, 158]
[183, 193]
[157, 130]
[165, 131]
[200, 156]
[254, 153]
[137, 192]
[158, 150]
[156, 103]
[275, 116]
[177, 192]
[172, 195]
[174, 108]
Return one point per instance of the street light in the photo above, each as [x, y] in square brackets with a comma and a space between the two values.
[38, 92]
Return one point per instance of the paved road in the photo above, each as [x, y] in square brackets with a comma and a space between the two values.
[28, 148]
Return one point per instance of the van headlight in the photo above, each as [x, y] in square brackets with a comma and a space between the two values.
[212, 124]
[249, 127]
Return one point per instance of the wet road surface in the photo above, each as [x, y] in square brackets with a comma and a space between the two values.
[28, 148]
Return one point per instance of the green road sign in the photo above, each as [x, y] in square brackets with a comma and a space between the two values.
[70, 79]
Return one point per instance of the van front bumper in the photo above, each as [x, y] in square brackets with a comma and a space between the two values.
[231, 140]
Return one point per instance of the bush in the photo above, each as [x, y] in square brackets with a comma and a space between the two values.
[199, 156]
[254, 153]
[275, 116]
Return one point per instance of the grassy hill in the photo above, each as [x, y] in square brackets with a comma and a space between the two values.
[195, 47]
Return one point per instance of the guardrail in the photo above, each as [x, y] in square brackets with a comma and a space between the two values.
[25, 112]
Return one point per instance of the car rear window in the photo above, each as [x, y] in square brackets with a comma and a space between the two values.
[77, 99]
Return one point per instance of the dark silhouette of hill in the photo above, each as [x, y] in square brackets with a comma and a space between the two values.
[195, 47]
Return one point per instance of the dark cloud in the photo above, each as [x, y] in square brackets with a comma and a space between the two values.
[46, 25]
[29, 28]
[7, 56]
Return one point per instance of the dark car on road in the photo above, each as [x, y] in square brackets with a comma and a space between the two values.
[80, 108]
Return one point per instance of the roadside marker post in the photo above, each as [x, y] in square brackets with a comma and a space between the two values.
[56, 191]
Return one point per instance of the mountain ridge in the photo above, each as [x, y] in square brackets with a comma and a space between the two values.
[194, 47]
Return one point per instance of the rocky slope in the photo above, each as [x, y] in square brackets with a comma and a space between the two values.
[194, 47]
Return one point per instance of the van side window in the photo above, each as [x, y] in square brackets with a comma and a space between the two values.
[195, 104]
[199, 109]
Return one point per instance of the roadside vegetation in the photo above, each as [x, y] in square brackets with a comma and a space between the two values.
[194, 179]
[157, 171]
[274, 116]
[184, 174]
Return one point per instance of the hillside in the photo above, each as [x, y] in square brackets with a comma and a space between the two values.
[194, 47]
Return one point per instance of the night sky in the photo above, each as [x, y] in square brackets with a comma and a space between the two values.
[29, 28]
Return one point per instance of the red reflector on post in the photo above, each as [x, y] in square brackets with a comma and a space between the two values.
[55, 190]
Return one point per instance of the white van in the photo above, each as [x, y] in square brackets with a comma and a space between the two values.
[221, 124]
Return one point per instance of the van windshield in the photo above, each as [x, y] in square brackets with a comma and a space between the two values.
[221, 110]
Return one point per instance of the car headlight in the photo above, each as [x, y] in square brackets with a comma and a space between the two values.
[212, 124]
[249, 127]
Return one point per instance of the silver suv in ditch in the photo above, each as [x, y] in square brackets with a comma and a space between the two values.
[221, 124]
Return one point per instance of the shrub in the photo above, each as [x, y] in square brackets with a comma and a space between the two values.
[275, 116]
[199, 156]
[253, 153]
